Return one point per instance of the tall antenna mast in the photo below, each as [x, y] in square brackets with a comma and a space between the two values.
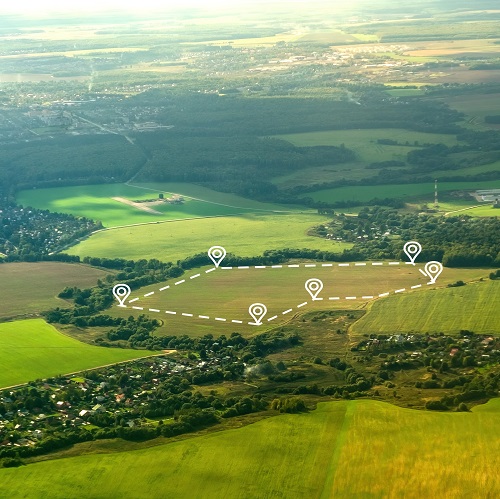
[436, 205]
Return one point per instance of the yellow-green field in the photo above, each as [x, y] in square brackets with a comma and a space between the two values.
[32, 349]
[30, 288]
[346, 449]
[102, 202]
[364, 142]
[474, 307]
[244, 235]
[227, 294]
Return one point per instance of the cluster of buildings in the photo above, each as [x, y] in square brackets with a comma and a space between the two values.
[70, 402]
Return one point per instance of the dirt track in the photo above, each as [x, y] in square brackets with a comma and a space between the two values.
[139, 206]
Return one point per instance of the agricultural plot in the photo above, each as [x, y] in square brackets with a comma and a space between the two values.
[472, 170]
[328, 173]
[473, 307]
[32, 349]
[243, 235]
[457, 48]
[31, 288]
[108, 204]
[200, 193]
[323, 453]
[402, 191]
[476, 107]
[364, 142]
[218, 301]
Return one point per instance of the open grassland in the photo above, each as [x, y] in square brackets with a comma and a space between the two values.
[96, 202]
[355, 170]
[367, 192]
[460, 206]
[405, 92]
[32, 349]
[471, 170]
[453, 48]
[328, 37]
[29, 288]
[244, 235]
[476, 106]
[204, 194]
[473, 307]
[364, 142]
[227, 294]
[342, 449]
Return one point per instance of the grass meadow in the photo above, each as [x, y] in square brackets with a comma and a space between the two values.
[95, 202]
[32, 349]
[364, 142]
[227, 294]
[473, 307]
[480, 105]
[201, 193]
[244, 235]
[343, 449]
[355, 170]
[29, 288]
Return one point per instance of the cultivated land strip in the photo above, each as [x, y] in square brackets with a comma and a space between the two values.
[287, 311]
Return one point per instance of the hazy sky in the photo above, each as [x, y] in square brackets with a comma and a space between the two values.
[50, 6]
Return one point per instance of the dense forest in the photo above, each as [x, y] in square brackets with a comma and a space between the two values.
[211, 139]
[459, 241]
[66, 160]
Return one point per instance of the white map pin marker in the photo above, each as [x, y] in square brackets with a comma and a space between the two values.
[217, 254]
[314, 287]
[121, 292]
[433, 269]
[412, 250]
[257, 311]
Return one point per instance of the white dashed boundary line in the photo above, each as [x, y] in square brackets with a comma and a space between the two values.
[289, 266]
[289, 310]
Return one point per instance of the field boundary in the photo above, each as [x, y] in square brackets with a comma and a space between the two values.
[213, 202]
[259, 321]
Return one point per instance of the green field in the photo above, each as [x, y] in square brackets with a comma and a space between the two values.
[228, 294]
[469, 208]
[473, 307]
[364, 142]
[320, 174]
[472, 170]
[29, 288]
[244, 235]
[95, 202]
[342, 449]
[405, 92]
[367, 192]
[479, 105]
[33, 349]
[203, 193]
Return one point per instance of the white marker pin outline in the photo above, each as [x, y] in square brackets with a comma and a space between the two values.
[121, 297]
[257, 315]
[217, 254]
[407, 248]
[433, 274]
[314, 287]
